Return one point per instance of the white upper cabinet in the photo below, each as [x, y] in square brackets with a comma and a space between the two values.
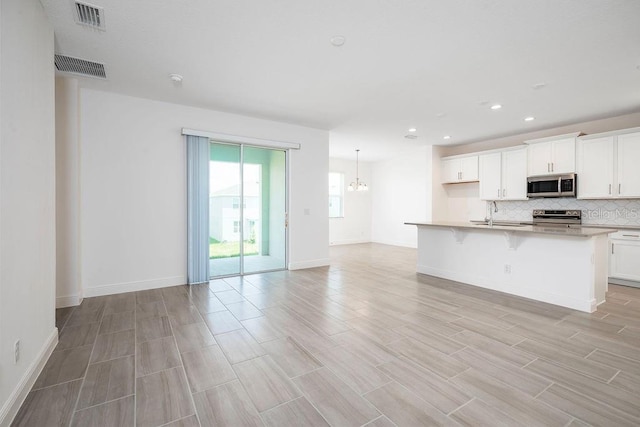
[503, 175]
[608, 165]
[555, 155]
[490, 176]
[629, 165]
[459, 169]
[595, 168]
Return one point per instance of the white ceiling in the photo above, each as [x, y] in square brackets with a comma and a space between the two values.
[404, 62]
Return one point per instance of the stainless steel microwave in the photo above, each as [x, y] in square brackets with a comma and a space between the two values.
[552, 185]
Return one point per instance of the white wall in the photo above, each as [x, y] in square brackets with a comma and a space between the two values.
[27, 199]
[355, 226]
[133, 189]
[402, 191]
[68, 292]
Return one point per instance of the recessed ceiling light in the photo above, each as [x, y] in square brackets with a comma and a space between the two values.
[538, 86]
[446, 137]
[412, 130]
[338, 40]
[529, 119]
[176, 78]
[496, 106]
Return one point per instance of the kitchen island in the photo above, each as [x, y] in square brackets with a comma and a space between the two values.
[565, 266]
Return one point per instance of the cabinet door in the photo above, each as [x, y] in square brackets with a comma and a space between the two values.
[514, 174]
[450, 170]
[469, 168]
[539, 158]
[595, 168]
[563, 159]
[490, 176]
[624, 260]
[628, 184]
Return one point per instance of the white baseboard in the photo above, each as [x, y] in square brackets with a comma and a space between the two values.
[68, 301]
[118, 288]
[588, 306]
[404, 244]
[321, 262]
[16, 398]
[348, 242]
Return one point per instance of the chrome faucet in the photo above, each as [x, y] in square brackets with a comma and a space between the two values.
[492, 209]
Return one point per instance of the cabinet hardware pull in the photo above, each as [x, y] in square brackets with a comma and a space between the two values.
[552, 166]
[498, 192]
[548, 168]
[630, 235]
[612, 251]
[504, 192]
[619, 188]
[609, 188]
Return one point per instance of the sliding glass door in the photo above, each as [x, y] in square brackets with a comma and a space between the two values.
[247, 209]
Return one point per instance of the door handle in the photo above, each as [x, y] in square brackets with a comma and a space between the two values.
[286, 220]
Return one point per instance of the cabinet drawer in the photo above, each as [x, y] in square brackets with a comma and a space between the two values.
[625, 235]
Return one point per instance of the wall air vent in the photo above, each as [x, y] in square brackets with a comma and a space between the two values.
[89, 15]
[69, 64]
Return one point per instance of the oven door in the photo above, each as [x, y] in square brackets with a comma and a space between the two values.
[543, 187]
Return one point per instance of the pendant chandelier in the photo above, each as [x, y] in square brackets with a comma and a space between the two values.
[358, 185]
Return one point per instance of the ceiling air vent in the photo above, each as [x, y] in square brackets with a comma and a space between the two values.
[410, 136]
[69, 64]
[87, 14]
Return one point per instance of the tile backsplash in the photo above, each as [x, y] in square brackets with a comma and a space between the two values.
[619, 212]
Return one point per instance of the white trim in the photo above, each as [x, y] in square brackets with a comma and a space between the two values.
[19, 394]
[68, 301]
[402, 244]
[554, 138]
[348, 242]
[258, 142]
[610, 133]
[588, 306]
[118, 288]
[320, 262]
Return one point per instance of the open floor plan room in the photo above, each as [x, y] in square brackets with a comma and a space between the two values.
[366, 341]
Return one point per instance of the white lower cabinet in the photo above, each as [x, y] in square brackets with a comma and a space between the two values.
[624, 255]
[503, 175]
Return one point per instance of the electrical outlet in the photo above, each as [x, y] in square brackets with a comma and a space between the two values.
[507, 269]
[16, 352]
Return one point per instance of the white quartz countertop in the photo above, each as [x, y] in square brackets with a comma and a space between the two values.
[573, 231]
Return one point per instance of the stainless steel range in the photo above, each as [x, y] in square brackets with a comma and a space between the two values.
[557, 217]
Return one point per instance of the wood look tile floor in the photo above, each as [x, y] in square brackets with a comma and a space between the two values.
[366, 341]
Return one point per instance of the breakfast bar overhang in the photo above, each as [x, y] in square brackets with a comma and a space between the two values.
[565, 266]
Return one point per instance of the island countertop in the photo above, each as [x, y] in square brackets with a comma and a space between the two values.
[572, 231]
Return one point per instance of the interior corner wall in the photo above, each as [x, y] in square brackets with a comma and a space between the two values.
[68, 292]
[133, 229]
[355, 226]
[402, 188]
[27, 199]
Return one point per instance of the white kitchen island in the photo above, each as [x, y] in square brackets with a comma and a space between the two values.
[559, 265]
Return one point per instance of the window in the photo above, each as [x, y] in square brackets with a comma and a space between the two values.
[336, 195]
[236, 226]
